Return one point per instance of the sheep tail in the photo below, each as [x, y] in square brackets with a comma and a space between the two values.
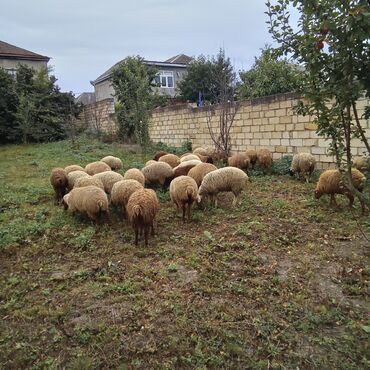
[136, 211]
[191, 193]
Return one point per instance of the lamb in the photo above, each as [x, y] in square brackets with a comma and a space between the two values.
[362, 163]
[239, 160]
[264, 158]
[303, 164]
[172, 159]
[113, 162]
[224, 179]
[189, 157]
[200, 170]
[96, 167]
[73, 176]
[73, 167]
[330, 182]
[59, 182]
[158, 173]
[184, 167]
[108, 178]
[89, 200]
[252, 154]
[142, 208]
[151, 161]
[134, 174]
[121, 192]
[87, 181]
[159, 155]
[183, 192]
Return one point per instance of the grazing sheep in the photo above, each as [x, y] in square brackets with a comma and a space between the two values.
[201, 151]
[172, 159]
[252, 154]
[87, 181]
[184, 167]
[200, 170]
[151, 161]
[73, 167]
[205, 154]
[239, 160]
[264, 158]
[108, 178]
[113, 162]
[218, 156]
[158, 173]
[159, 155]
[362, 163]
[121, 192]
[59, 182]
[142, 208]
[96, 167]
[73, 176]
[183, 192]
[224, 179]
[330, 182]
[89, 200]
[135, 174]
[189, 157]
[303, 164]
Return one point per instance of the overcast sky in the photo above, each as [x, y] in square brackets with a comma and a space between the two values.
[86, 37]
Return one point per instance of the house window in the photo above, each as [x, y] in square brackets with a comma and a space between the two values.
[12, 71]
[166, 79]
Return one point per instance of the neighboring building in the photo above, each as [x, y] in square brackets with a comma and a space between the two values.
[12, 56]
[171, 71]
[86, 98]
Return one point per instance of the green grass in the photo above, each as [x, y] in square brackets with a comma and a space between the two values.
[280, 281]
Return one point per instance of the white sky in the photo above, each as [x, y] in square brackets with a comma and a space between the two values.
[86, 37]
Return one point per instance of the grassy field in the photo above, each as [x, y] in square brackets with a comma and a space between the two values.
[279, 282]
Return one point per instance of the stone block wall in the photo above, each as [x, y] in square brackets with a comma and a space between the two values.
[267, 122]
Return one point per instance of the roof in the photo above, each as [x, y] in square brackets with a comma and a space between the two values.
[178, 61]
[86, 98]
[9, 51]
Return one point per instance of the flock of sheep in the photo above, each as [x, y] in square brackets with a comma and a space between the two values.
[191, 178]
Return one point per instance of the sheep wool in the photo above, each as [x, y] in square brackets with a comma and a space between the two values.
[159, 155]
[303, 164]
[362, 163]
[172, 159]
[121, 192]
[108, 178]
[239, 160]
[200, 170]
[87, 181]
[89, 200]
[183, 193]
[184, 167]
[264, 158]
[330, 182]
[201, 151]
[73, 167]
[134, 174]
[158, 173]
[224, 179]
[96, 167]
[189, 157]
[252, 154]
[73, 176]
[151, 161]
[113, 162]
[142, 207]
[59, 182]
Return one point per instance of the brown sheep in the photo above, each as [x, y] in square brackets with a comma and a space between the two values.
[59, 182]
[73, 176]
[330, 182]
[172, 159]
[252, 154]
[134, 174]
[200, 170]
[108, 178]
[159, 155]
[121, 192]
[113, 162]
[96, 167]
[87, 181]
[142, 208]
[264, 158]
[73, 167]
[158, 173]
[184, 167]
[239, 160]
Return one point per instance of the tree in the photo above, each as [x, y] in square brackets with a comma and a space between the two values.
[331, 41]
[203, 76]
[133, 82]
[269, 75]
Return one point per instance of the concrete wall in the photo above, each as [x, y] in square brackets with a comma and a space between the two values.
[265, 122]
[104, 90]
[14, 64]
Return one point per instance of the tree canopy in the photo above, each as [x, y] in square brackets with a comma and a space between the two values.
[269, 75]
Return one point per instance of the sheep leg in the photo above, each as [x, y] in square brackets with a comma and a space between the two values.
[189, 211]
[152, 228]
[146, 232]
[351, 199]
[136, 234]
[183, 211]
[333, 202]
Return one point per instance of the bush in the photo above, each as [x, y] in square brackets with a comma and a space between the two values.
[185, 147]
[282, 165]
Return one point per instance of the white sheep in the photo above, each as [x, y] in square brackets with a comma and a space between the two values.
[224, 179]
[303, 164]
[183, 192]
